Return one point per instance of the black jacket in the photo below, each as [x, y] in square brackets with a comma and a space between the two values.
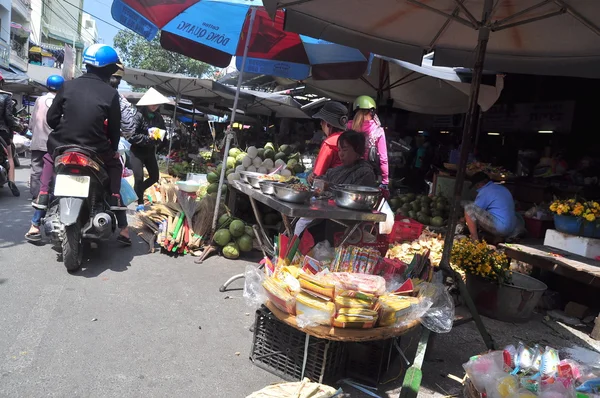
[142, 122]
[78, 113]
[8, 121]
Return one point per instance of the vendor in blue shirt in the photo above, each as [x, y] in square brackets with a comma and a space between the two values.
[493, 209]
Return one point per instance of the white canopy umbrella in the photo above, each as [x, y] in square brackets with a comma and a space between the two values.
[550, 37]
[547, 37]
[423, 89]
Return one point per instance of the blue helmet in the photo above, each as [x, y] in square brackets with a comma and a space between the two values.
[100, 55]
[54, 82]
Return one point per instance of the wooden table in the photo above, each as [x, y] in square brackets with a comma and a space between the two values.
[560, 262]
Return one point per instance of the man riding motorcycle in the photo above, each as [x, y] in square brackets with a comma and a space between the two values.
[77, 117]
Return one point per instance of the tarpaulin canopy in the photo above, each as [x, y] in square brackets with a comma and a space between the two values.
[422, 89]
[210, 92]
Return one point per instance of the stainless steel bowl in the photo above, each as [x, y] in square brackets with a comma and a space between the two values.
[288, 194]
[267, 187]
[254, 180]
[245, 174]
[356, 197]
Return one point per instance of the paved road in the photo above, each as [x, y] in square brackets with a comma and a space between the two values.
[127, 325]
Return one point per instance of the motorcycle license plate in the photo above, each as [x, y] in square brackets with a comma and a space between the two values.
[73, 186]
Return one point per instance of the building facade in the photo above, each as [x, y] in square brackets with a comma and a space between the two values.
[20, 30]
[89, 32]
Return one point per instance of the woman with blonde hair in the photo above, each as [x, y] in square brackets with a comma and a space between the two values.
[366, 121]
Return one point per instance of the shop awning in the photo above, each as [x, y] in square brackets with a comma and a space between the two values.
[65, 40]
[19, 82]
[39, 50]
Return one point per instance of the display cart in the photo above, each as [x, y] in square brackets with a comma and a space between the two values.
[324, 209]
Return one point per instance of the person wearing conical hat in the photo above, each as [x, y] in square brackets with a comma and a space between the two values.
[143, 144]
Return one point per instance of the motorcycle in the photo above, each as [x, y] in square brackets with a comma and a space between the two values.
[79, 210]
[4, 165]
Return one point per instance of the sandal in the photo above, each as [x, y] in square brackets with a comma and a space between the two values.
[33, 236]
[124, 240]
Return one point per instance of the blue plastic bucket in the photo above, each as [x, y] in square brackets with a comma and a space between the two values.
[576, 226]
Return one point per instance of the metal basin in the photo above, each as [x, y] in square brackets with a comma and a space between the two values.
[356, 197]
[245, 174]
[254, 180]
[287, 194]
[267, 187]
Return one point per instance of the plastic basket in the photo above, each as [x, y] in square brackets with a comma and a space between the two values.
[405, 229]
[576, 226]
[279, 349]
[368, 361]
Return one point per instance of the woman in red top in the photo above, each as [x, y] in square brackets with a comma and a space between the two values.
[334, 117]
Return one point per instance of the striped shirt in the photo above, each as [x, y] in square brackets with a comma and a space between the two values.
[127, 114]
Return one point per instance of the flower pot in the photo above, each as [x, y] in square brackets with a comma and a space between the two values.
[506, 302]
[576, 226]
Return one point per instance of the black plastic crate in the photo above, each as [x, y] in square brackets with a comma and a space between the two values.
[279, 348]
[368, 361]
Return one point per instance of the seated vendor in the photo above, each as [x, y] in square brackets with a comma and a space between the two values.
[354, 170]
[493, 210]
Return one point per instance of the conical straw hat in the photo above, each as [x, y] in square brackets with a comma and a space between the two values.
[153, 97]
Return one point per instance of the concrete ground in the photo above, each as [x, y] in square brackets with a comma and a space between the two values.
[132, 324]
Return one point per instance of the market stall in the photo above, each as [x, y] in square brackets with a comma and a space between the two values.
[341, 311]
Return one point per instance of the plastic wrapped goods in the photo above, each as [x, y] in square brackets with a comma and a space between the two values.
[319, 284]
[394, 309]
[355, 318]
[279, 295]
[370, 284]
[311, 310]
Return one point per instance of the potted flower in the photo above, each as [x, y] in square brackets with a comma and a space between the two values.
[580, 218]
[496, 291]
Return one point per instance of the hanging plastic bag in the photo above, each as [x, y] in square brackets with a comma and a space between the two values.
[439, 318]
[254, 292]
[124, 145]
[128, 195]
[387, 226]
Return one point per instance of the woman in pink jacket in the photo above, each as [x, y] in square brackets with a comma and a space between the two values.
[367, 122]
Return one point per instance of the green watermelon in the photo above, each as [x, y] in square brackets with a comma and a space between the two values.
[231, 251]
[222, 237]
[237, 228]
[212, 188]
[269, 154]
[437, 221]
[244, 242]
[212, 177]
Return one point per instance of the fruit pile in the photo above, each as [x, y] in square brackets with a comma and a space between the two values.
[233, 236]
[261, 160]
[427, 210]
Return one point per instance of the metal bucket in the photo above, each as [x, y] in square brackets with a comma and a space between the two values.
[508, 303]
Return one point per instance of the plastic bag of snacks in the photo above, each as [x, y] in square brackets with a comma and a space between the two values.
[370, 284]
[311, 310]
[279, 295]
[484, 369]
[355, 318]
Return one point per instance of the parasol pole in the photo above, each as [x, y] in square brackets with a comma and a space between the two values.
[177, 99]
[470, 126]
[230, 132]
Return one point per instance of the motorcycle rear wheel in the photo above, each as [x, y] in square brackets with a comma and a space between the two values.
[72, 247]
